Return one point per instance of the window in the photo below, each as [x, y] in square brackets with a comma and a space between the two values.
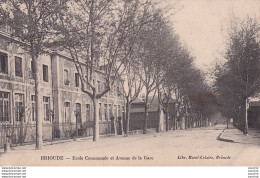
[123, 111]
[110, 111]
[66, 77]
[67, 112]
[3, 63]
[99, 86]
[104, 87]
[105, 112]
[87, 84]
[32, 72]
[4, 107]
[119, 110]
[45, 73]
[115, 90]
[78, 113]
[18, 67]
[118, 92]
[88, 118]
[112, 90]
[19, 107]
[115, 111]
[33, 112]
[46, 108]
[32, 67]
[77, 79]
[100, 112]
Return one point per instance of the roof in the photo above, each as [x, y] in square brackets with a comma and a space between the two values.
[254, 103]
[138, 100]
[153, 102]
[141, 110]
[137, 110]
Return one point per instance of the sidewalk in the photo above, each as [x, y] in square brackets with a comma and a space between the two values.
[232, 134]
[31, 145]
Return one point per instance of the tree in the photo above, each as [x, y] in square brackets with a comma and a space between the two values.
[167, 87]
[101, 40]
[227, 97]
[184, 74]
[153, 48]
[239, 78]
[31, 23]
[184, 80]
[165, 97]
[138, 66]
[131, 87]
[168, 48]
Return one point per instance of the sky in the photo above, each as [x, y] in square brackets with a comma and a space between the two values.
[202, 25]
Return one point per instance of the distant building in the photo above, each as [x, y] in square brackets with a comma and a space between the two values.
[155, 116]
[254, 114]
[62, 99]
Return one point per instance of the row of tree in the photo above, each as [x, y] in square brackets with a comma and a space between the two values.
[238, 78]
[130, 41]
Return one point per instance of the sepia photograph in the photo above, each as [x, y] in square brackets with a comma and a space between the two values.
[129, 83]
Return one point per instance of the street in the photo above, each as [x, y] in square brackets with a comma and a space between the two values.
[196, 147]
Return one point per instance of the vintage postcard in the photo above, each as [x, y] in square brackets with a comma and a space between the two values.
[130, 83]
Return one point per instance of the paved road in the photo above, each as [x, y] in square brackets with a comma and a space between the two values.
[196, 147]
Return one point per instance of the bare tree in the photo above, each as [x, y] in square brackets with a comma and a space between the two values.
[239, 78]
[31, 23]
[131, 88]
[152, 47]
[168, 84]
[100, 40]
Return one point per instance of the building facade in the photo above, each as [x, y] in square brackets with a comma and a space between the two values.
[63, 106]
[254, 114]
[156, 115]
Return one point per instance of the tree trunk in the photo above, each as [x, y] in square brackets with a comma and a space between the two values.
[95, 119]
[21, 130]
[186, 117]
[158, 129]
[77, 131]
[145, 114]
[167, 117]
[227, 122]
[115, 126]
[120, 126]
[183, 122]
[38, 98]
[160, 120]
[245, 125]
[186, 122]
[128, 106]
[207, 122]
[174, 123]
